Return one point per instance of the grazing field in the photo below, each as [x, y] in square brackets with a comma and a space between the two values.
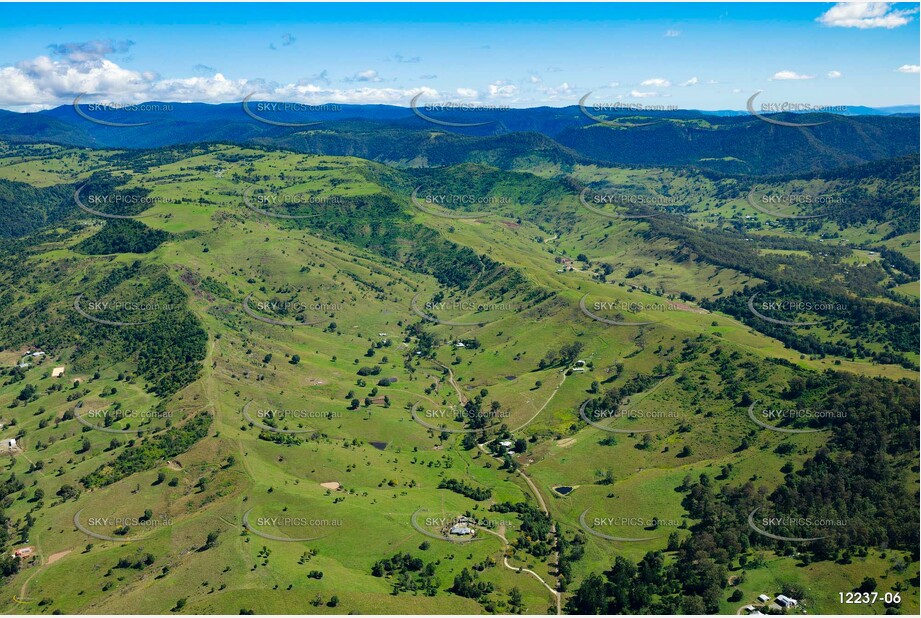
[289, 389]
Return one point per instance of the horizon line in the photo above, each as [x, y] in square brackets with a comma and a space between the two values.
[610, 107]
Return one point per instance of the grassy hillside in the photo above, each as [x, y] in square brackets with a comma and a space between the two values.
[288, 376]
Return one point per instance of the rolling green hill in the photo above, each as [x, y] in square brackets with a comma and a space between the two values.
[288, 377]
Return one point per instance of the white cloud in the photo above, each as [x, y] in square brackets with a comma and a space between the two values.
[909, 68]
[502, 89]
[656, 82]
[834, 74]
[864, 15]
[46, 81]
[636, 94]
[691, 82]
[468, 93]
[534, 79]
[736, 90]
[672, 33]
[365, 76]
[613, 84]
[309, 93]
[782, 75]
[564, 90]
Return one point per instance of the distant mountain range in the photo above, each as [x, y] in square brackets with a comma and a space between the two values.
[849, 110]
[725, 141]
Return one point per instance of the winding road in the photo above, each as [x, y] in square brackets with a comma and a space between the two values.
[540, 501]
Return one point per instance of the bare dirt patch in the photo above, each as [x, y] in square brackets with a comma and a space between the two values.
[331, 485]
[57, 556]
[685, 307]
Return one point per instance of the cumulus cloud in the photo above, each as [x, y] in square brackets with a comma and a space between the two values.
[502, 89]
[784, 75]
[672, 33]
[864, 15]
[311, 93]
[909, 68]
[534, 79]
[365, 76]
[564, 90]
[72, 69]
[656, 82]
[45, 81]
[636, 94]
[468, 93]
[213, 88]
[691, 82]
[834, 74]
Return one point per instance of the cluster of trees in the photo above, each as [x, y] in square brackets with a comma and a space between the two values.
[476, 417]
[862, 322]
[24, 208]
[692, 584]
[462, 488]
[408, 574]
[122, 236]
[566, 355]
[468, 584]
[145, 455]
[568, 552]
[381, 225]
[612, 398]
[8, 564]
[284, 439]
[536, 528]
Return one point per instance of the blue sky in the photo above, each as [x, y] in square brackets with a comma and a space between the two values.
[704, 56]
